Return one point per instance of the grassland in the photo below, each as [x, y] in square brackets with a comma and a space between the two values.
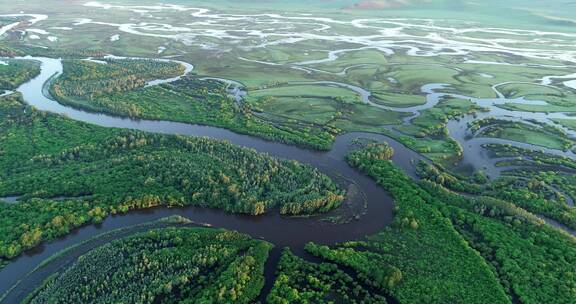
[308, 91]
[526, 135]
[568, 123]
[428, 133]
[544, 135]
[393, 73]
[559, 100]
[323, 105]
[539, 108]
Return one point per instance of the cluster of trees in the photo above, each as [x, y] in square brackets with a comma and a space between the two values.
[539, 200]
[87, 80]
[561, 185]
[311, 203]
[380, 151]
[299, 281]
[138, 170]
[169, 265]
[370, 268]
[6, 51]
[26, 224]
[435, 263]
[503, 233]
[47, 156]
[439, 176]
[58, 52]
[16, 72]
[521, 256]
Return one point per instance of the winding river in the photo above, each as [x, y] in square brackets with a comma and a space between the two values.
[281, 231]
[18, 279]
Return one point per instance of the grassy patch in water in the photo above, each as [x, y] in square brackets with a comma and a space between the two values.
[544, 136]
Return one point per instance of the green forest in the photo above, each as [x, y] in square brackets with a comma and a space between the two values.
[68, 173]
[304, 151]
[544, 192]
[83, 79]
[299, 281]
[453, 249]
[13, 73]
[170, 265]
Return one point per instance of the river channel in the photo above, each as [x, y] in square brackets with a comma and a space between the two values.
[279, 230]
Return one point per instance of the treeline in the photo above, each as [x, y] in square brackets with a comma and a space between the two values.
[521, 256]
[169, 265]
[16, 72]
[83, 79]
[299, 281]
[46, 156]
[72, 52]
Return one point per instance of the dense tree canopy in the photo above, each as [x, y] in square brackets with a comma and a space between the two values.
[85, 79]
[169, 265]
[438, 237]
[68, 173]
[15, 72]
[299, 281]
